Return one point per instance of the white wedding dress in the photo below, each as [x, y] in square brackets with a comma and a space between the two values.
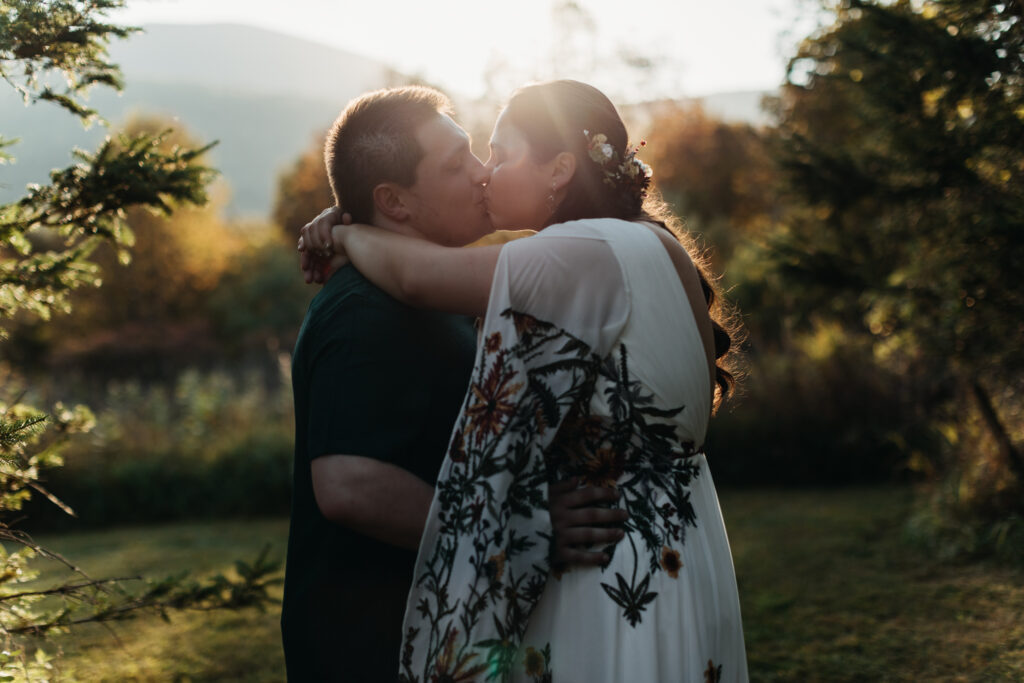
[591, 365]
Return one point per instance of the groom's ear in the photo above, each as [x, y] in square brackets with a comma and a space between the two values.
[389, 201]
[563, 169]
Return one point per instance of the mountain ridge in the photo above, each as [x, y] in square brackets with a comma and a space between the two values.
[248, 60]
[251, 89]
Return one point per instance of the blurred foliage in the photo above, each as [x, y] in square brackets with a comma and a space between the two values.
[722, 178]
[716, 174]
[302, 191]
[176, 260]
[905, 145]
[793, 427]
[261, 298]
[83, 208]
[152, 301]
[903, 192]
[198, 646]
[873, 239]
[198, 290]
[206, 446]
[69, 38]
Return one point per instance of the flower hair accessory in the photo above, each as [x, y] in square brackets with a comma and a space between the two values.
[628, 173]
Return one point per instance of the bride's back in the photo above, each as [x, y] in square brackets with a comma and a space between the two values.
[662, 344]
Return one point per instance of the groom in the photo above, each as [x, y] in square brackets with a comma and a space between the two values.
[377, 388]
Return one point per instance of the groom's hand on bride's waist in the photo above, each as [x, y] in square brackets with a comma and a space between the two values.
[581, 519]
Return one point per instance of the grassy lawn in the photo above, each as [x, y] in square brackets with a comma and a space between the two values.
[829, 592]
[194, 646]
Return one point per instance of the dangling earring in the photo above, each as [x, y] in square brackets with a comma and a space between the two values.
[552, 205]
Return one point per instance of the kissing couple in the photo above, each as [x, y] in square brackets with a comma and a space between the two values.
[526, 498]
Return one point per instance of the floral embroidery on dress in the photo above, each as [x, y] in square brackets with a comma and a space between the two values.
[670, 562]
[537, 664]
[484, 561]
[713, 674]
[636, 450]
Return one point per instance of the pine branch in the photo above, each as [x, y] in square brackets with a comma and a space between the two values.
[67, 589]
[36, 486]
[173, 593]
[17, 431]
[40, 38]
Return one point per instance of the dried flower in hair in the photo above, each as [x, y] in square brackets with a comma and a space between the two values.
[628, 174]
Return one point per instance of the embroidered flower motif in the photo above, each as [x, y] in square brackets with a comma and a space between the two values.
[525, 324]
[631, 595]
[670, 562]
[496, 566]
[476, 510]
[534, 662]
[528, 385]
[448, 669]
[493, 401]
[458, 450]
[592, 428]
[539, 420]
[581, 445]
[493, 343]
[603, 468]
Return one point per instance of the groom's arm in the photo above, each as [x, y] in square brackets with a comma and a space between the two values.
[372, 497]
[360, 434]
[353, 386]
[391, 504]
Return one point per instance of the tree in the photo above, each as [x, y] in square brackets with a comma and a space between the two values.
[900, 130]
[717, 175]
[302, 191]
[153, 311]
[50, 238]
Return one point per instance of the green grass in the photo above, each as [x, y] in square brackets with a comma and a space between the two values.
[193, 646]
[829, 588]
[830, 591]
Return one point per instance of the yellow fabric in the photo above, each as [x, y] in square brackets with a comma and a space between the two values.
[501, 237]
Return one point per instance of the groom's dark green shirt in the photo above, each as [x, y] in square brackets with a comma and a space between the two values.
[375, 378]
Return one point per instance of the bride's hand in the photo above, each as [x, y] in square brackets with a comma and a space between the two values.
[320, 253]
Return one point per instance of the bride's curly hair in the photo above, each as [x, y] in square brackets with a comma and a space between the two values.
[563, 115]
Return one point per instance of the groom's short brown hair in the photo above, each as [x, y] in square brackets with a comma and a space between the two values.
[374, 141]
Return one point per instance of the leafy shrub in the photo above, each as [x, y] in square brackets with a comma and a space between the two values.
[974, 506]
[262, 296]
[207, 446]
[949, 531]
[801, 420]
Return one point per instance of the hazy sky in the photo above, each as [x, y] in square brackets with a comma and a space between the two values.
[702, 46]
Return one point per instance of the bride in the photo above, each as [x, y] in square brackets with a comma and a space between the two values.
[600, 358]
